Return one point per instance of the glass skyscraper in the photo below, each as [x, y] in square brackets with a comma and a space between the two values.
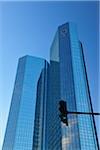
[34, 122]
[68, 82]
[20, 126]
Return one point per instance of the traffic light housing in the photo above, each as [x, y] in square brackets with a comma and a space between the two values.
[63, 112]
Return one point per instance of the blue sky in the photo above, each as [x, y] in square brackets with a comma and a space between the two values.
[29, 28]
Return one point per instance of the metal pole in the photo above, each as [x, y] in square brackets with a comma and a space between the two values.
[84, 113]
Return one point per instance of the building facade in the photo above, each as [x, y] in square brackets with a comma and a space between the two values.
[20, 126]
[39, 136]
[34, 122]
[69, 83]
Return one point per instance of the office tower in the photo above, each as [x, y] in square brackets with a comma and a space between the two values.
[68, 82]
[20, 126]
[34, 121]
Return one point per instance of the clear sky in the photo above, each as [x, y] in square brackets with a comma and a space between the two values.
[29, 28]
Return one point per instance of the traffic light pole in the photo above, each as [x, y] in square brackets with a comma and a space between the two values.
[84, 113]
[64, 113]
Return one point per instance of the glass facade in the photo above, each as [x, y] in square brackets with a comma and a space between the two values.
[70, 134]
[39, 138]
[68, 82]
[34, 122]
[53, 120]
[20, 126]
[85, 122]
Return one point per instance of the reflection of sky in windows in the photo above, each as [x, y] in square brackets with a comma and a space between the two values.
[73, 90]
[23, 104]
[66, 81]
[25, 122]
[39, 137]
[85, 122]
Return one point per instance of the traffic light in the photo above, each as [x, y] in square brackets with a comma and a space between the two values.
[63, 112]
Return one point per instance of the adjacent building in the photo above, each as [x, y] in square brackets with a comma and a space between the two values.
[20, 126]
[34, 122]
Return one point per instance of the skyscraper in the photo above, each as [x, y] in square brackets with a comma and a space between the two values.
[68, 82]
[20, 126]
[34, 122]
